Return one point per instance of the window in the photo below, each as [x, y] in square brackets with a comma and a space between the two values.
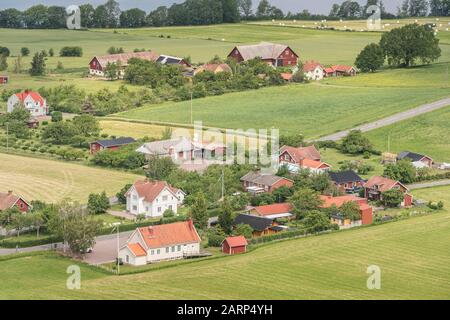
[135, 197]
[146, 209]
[179, 248]
[165, 198]
[158, 251]
[170, 207]
[128, 259]
[159, 209]
[167, 250]
[134, 208]
[173, 249]
[152, 252]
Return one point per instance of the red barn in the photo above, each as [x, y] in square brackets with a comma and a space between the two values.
[278, 55]
[113, 144]
[10, 200]
[98, 64]
[234, 245]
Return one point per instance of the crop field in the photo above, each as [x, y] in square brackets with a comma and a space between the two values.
[412, 255]
[129, 129]
[426, 133]
[52, 181]
[312, 110]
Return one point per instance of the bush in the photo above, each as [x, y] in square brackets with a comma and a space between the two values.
[25, 51]
[71, 52]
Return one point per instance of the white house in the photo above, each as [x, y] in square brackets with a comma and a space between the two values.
[162, 242]
[30, 100]
[313, 70]
[180, 149]
[152, 198]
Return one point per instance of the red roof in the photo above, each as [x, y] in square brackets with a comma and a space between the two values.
[214, 66]
[302, 153]
[311, 66]
[34, 95]
[329, 70]
[313, 164]
[271, 209]
[137, 249]
[149, 190]
[383, 184]
[238, 241]
[341, 68]
[329, 201]
[169, 234]
[8, 200]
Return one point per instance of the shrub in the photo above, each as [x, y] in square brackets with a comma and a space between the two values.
[71, 52]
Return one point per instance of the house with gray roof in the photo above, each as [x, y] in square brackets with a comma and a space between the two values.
[256, 182]
[418, 160]
[277, 55]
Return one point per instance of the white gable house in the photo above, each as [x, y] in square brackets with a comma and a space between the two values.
[30, 100]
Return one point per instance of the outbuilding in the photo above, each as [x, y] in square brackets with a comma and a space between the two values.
[234, 245]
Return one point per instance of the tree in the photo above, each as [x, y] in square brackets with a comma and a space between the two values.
[371, 58]
[71, 52]
[404, 46]
[159, 168]
[132, 18]
[158, 17]
[37, 220]
[59, 132]
[356, 143]
[3, 63]
[11, 18]
[230, 11]
[18, 65]
[303, 201]
[415, 8]
[36, 17]
[440, 8]
[25, 52]
[245, 7]
[199, 211]
[350, 210]
[87, 13]
[19, 221]
[334, 12]
[56, 16]
[282, 194]
[392, 198]
[349, 9]
[51, 52]
[402, 171]
[243, 230]
[112, 10]
[75, 226]
[316, 221]
[226, 217]
[98, 203]
[86, 125]
[38, 64]
[111, 71]
[215, 236]
[121, 195]
[263, 9]
[57, 116]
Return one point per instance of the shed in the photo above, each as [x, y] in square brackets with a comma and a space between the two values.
[234, 245]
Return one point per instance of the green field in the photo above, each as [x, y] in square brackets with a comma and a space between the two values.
[313, 109]
[426, 134]
[52, 181]
[412, 254]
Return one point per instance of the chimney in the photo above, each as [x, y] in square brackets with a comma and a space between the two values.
[10, 192]
[150, 230]
[191, 224]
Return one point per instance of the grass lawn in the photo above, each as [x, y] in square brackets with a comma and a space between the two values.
[129, 129]
[426, 133]
[51, 181]
[412, 254]
[335, 158]
[435, 194]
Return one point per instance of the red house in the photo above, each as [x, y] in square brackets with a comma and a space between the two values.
[278, 55]
[374, 188]
[365, 210]
[4, 79]
[234, 245]
[10, 200]
[98, 64]
[257, 182]
[302, 158]
[113, 144]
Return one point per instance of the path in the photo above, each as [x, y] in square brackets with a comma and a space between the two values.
[391, 120]
[429, 184]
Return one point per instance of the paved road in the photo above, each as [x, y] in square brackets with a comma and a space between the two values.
[105, 249]
[430, 184]
[392, 119]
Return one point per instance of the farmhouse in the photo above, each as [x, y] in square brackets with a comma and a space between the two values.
[98, 64]
[153, 198]
[348, 71]
[347, 181]
[9, 200]
[273, 211]
[277, 55]
[365, 210]
[112, 144]
[257, 182]
[214, 68]
[418, 160]
[261, 225]
[4, 79]
[304, 158]
[30, 100]
[165, 59]
[374, 188]
[234, 245]
[162, 242]
[313, 70]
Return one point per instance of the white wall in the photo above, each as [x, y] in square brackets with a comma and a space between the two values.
[35, 108]
[165, 200]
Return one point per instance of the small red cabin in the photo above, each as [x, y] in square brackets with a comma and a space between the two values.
[234, 245]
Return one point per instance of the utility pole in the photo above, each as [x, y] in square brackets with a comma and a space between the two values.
[192, 96]
[7, 136]
[223, 185]
[389, 142]
[118, 249]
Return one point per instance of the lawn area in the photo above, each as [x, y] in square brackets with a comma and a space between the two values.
[335, 158]
[129, 129]
[51, 181]
[426, 133]
[312, 110]
[412, 255]
[435, 194]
